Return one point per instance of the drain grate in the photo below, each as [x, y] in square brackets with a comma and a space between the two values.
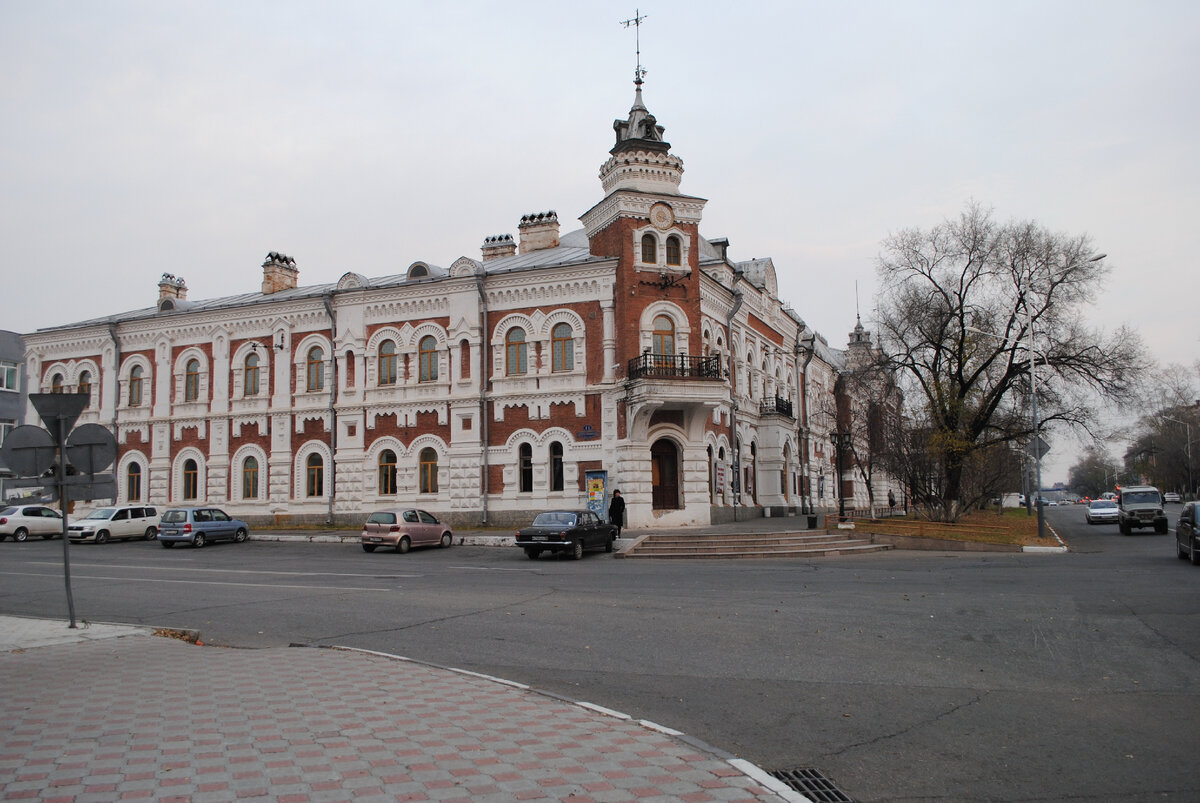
[812, 784]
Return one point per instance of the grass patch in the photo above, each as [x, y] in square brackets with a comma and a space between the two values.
[1016, 526]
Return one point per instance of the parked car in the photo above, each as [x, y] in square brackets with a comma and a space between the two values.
[1171, 496]
[22, 521]
[103, 523]
[566, 531]
[1187, 540]
[1102, 511]
[404, 528]
[1140, 506]
[198, 526]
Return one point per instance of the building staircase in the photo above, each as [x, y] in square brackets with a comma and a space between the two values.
[794, 544]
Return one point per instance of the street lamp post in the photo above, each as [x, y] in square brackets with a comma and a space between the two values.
[1188, 435]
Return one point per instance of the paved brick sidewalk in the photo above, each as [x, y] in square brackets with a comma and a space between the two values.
[145, 717]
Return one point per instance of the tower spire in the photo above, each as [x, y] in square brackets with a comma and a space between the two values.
[639, 74]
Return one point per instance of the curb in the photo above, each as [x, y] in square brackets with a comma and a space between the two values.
[750, 770]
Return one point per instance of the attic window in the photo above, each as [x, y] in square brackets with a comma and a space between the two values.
[418, 272]
[166, 305]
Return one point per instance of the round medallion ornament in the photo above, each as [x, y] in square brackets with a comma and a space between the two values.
[661, 216]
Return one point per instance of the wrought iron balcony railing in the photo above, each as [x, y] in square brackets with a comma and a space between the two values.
[674, 366]
[777, 406]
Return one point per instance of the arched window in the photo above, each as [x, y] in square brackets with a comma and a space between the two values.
[428, 460]
[387, 473]
[674, 251]
[135, 386]
[133, 482]
[525, 466]
[664, 335]
[464, 354]
[516, 360]
[56, 383]
[562, 347]
[85, 383]
[250, 375]
[250, 478]
[314, 473]
[315, 372]
[428, 358]
[191, 479]
[649, 249]
[191, 381]
[556, 466]
[387, 362]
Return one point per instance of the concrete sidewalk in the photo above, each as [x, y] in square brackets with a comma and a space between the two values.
[112, 712]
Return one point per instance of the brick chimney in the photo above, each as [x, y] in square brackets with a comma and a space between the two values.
[172, 286]
[498, 245]
[539, 230]
[279, 273]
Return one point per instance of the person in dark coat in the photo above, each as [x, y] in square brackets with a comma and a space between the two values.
[616, 512]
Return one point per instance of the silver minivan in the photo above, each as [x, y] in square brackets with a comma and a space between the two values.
[105, 523]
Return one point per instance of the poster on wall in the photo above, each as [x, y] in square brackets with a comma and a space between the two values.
[597, 492]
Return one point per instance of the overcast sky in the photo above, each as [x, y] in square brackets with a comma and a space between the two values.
[193, 138]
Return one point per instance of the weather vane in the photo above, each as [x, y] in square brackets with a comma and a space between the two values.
[636, 22]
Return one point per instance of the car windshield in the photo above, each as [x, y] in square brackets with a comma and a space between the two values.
[174, 516]
[1102, 504]
[1140, 498]
[8, 511]
[554, 520]
[101, 513]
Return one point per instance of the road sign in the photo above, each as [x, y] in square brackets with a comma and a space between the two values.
[59, 407]
[91, 448]
[28, 451]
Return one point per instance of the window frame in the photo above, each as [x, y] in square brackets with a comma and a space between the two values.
[386, 473]
[674, 251]
[649, 249]
[516, 352]
[427, 359]
[386, 363]
[314, 476]
[191, 380]
[314, 369]
[133, 482]
[525, 468]
[250, 475]
[427, 462]
[250, 375]
[135, 386]
[556, 466]
[191, 480]
[562, 349]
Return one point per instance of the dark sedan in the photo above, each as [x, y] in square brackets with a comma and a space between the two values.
[566, 531]
[1187, 539]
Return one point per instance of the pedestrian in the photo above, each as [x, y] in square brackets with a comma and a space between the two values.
[892, 501]
[616, 512]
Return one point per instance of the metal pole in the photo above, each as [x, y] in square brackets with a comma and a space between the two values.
[1037, 440]
[64, 503]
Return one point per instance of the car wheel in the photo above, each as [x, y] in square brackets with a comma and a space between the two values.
[241, 535]
[402, 545]
[102, 537]
[198, 540]
[368, 547]
[20, 534]
[608, 545]
[167, 544]
[532, 554]
[1125, 529]
[1160, 529]
[447, 540]
[577, 550]
[151, 533]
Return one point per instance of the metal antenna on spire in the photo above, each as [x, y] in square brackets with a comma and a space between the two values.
[636, 22]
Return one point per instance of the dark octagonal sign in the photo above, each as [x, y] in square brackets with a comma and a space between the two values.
[28, 451]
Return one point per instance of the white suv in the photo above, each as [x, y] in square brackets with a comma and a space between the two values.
[129, 521]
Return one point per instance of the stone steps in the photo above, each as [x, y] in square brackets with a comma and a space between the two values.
[758, 545]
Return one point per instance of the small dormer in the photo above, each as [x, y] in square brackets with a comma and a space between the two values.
[171, 290]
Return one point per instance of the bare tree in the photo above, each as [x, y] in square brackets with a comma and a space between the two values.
[968, 307]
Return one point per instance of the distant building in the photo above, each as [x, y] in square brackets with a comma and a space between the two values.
[483, 391]
[13, 394]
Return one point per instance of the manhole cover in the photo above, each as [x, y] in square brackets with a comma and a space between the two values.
[812, 784]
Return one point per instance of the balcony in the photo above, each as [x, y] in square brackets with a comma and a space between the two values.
[674, 366]
[777, 406]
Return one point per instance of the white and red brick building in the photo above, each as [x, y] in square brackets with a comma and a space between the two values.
[484, 390]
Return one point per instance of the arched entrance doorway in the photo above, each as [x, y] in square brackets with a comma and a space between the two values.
[664, 462]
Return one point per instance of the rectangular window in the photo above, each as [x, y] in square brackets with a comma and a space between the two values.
[9, 376]
[6, 426]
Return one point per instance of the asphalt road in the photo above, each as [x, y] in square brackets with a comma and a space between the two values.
[901, 675]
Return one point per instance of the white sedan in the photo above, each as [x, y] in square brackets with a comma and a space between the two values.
[1102, 511]
[22, 521]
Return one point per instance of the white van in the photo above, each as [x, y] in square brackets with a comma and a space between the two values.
[129, 521]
